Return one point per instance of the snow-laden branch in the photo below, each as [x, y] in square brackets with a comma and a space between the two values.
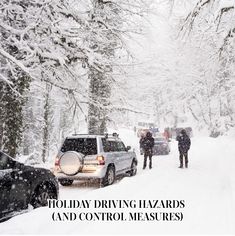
[122, 108]
[204, 11]
[20, 32]
[229, 35]
[189, 21]
[14, 60]
[225, 6]
[4, 79]
[10, 29]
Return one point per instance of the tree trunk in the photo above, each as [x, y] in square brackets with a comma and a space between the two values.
[46, 118]
[11, 120]
[99, 94]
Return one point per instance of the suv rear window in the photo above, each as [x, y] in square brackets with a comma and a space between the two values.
[113, 146]
[86, 146]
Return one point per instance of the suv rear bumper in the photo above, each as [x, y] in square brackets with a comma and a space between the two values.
[98, 174]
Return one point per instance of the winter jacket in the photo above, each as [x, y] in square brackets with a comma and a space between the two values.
[184, 143]
[147, 143]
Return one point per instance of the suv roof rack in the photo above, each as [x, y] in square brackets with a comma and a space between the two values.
[82, 134]
[106, 135]
[116, 135]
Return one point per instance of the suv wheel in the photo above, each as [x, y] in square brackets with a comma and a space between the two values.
[109, 177]
[133, 168]
[41, 195]
[65, 182]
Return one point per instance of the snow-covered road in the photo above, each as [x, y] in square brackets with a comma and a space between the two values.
[207, 187]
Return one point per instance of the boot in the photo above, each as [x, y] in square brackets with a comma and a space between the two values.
[186, 165]
[150, 165]
[181, 165]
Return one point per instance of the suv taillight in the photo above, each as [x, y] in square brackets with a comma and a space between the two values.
[101, 160]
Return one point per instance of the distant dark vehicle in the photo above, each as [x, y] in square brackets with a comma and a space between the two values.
[21, 185]
[174, 132]
[161, 146]
[188, 130]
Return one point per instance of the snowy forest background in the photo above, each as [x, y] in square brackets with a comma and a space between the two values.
[69, 66]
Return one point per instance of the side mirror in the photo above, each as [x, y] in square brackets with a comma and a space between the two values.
[128, 148]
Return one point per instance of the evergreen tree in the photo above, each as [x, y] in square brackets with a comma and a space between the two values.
[12, 101]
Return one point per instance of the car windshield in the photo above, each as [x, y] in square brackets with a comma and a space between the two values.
[6, 162]
[86, 146]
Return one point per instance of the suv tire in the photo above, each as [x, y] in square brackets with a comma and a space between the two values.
[65, 182]
[133, 168]
[109, 177]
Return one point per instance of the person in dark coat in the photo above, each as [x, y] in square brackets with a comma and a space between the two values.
[147, 145]
[184, 144]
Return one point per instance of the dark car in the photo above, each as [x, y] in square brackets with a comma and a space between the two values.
[161, 146]
[22, 185]
[189, 131]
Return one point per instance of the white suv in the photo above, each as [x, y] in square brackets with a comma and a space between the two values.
[101, 157]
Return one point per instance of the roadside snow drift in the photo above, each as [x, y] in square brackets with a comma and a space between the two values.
[207, 188]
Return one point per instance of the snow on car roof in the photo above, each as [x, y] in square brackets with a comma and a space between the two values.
[83, 136]
[110, 136]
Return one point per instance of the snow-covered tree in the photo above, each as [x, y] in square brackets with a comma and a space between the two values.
[211, 27]
[75, 47]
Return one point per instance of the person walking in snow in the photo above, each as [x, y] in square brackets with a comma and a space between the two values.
[184, 144]
[147, 145]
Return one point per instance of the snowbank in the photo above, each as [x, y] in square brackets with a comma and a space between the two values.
[207, 187]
